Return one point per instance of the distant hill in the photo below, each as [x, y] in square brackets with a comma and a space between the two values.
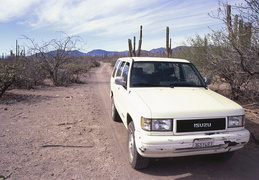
[78, 53]
[179, 48]
[101, 52]
[157, 51]
[75, 53]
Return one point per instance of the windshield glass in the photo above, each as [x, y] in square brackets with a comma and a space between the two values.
[165, 74]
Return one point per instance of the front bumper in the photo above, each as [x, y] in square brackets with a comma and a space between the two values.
[175, 146]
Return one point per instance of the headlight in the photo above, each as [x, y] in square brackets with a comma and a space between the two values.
[146, 124]
[236, 121]
[156, 124]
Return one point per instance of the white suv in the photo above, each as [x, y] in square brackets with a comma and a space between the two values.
[169, 111]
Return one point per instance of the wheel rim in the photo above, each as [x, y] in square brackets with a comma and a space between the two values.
[131, 146]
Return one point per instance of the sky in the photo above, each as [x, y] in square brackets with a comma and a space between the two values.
[106, 24]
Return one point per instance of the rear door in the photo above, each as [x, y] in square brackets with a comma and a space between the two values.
[121, 92]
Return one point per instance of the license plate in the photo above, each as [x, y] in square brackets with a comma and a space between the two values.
[202, 143]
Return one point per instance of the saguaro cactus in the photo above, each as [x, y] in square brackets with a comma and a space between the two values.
[229, 23]
[247, 34]
[168, 47]
[134, 46]
[167, 42]
[241, 33]
[133, 51]
[11, 53]
[140, 42]
[130, 47]
[235, 33]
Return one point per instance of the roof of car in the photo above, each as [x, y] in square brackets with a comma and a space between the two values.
[135, 59]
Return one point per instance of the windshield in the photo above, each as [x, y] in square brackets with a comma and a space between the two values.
[165, 74]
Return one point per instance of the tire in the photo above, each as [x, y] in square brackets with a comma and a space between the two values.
[115, 114]
[223, 156]
[135, 159]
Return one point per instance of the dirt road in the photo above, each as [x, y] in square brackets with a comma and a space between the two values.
[67, 133]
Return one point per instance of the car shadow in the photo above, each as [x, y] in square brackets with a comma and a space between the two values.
[243, 165]
[253, 127]
[202, 167]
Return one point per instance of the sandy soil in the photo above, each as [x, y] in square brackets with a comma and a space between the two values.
[67, 133]
[55, 133]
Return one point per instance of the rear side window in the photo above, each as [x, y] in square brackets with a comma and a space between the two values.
[120, 68]
[125, 73]
[116, 67]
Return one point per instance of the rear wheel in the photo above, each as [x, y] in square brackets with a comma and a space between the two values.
[135, 159]
[115, 114]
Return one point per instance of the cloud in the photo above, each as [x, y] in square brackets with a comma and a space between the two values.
[12, 9]
[85, 16]
[106, 17]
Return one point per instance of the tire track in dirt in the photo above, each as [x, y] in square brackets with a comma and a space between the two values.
[103, 78]
[100, 80]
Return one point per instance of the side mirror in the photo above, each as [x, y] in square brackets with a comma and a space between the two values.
[207, 80]
[120, 81]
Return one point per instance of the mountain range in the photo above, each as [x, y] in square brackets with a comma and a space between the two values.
[104, 53]
[157, 51]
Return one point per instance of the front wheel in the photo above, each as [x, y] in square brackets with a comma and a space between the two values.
[135, 159]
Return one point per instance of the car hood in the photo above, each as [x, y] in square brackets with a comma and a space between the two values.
[181, 102]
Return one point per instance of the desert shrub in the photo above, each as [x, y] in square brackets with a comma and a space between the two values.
[230, 55]
[19, 72]
[54, 56]
[95, 63]
[7, 77]
[31, 75]
[75, 70]
[71, 71]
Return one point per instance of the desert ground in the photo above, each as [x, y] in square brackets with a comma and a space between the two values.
[66, 133]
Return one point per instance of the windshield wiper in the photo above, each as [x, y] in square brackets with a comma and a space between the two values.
[184, 84]
[146, 85]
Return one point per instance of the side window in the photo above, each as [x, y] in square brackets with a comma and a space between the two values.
[119, 71]
[116, 67]
[126, 72]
